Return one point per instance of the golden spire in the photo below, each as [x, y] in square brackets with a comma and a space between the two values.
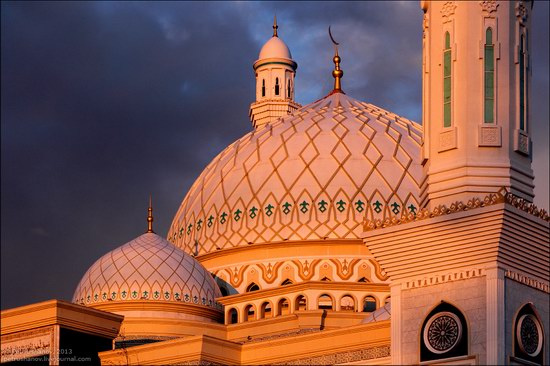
[337, 73]
[275, 26]
[150, 216]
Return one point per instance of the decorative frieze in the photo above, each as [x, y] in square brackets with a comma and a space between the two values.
[528, 281]
[28, 344]
[521, 12]
[443, 278]
[489, 6]
[343, 357]
[448, 10]
[491, 199]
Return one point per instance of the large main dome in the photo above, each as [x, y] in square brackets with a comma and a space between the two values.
[312, 175]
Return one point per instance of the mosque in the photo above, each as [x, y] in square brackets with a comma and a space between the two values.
[339, 232]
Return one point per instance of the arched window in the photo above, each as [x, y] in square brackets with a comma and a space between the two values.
[528, 336]
[489, 92]
[387, 300]
[447, 81]
[276, 86]
[301, 303]
[363, 279]
[286, 282]
[444, 334]
[369, 304]
[326, 279]
[522, 84]
[347, 303]
[249, 313]
[325, 302]
[265, 310]
[252, 287]
[233, 316]
[288, 89]
[283, 307]
[263, 87]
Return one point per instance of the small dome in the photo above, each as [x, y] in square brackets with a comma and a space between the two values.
[275, 48]
[147, 268]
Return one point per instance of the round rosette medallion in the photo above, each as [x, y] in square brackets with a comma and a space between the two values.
[442, 332]
[529, 335]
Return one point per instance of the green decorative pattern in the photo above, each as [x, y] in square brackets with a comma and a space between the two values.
[303, 206]
[286, 208]
[395, 208]
[341, 205]
[377, 206]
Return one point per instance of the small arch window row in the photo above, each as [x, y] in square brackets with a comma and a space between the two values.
[284, 306]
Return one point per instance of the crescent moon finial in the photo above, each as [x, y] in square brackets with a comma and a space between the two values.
[331, 37]
[337, 73]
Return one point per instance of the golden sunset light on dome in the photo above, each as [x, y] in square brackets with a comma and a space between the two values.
[328, 231]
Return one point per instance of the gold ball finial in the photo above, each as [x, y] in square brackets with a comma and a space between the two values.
[150, 216]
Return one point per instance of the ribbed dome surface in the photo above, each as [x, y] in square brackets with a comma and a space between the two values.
[275, 48]
[147, 268]
[312, 175]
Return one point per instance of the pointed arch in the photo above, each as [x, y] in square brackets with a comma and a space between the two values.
[252, 287]
[444, 333]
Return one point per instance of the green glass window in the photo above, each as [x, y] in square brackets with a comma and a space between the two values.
[447, 81]
[521, 84]
[489, 77]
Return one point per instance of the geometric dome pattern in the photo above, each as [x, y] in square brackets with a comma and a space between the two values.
[147, 268]
[318, 173]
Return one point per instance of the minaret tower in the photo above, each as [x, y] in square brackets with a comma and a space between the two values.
[275, 71]
[476, 75]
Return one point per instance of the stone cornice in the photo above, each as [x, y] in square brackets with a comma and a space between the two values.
[494, 198]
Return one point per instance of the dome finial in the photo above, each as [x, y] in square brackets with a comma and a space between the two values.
[337, 73]
[150, 216]
[275, 26]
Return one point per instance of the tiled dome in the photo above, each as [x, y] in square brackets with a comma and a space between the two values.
[312, 175]
[147, 268]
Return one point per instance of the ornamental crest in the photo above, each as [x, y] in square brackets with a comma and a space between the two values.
[488, 6]
[521, 12]
[448, 9]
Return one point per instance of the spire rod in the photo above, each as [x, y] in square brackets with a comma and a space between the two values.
[337, 73]
[150, 216]
[275, 26]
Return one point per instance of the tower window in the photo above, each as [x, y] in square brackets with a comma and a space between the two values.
[288, 90]
[276, 86]
[522, 84]
[263, 87]
[489, 92]
[447, 81]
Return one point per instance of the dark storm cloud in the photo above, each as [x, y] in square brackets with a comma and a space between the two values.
[105, 102]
